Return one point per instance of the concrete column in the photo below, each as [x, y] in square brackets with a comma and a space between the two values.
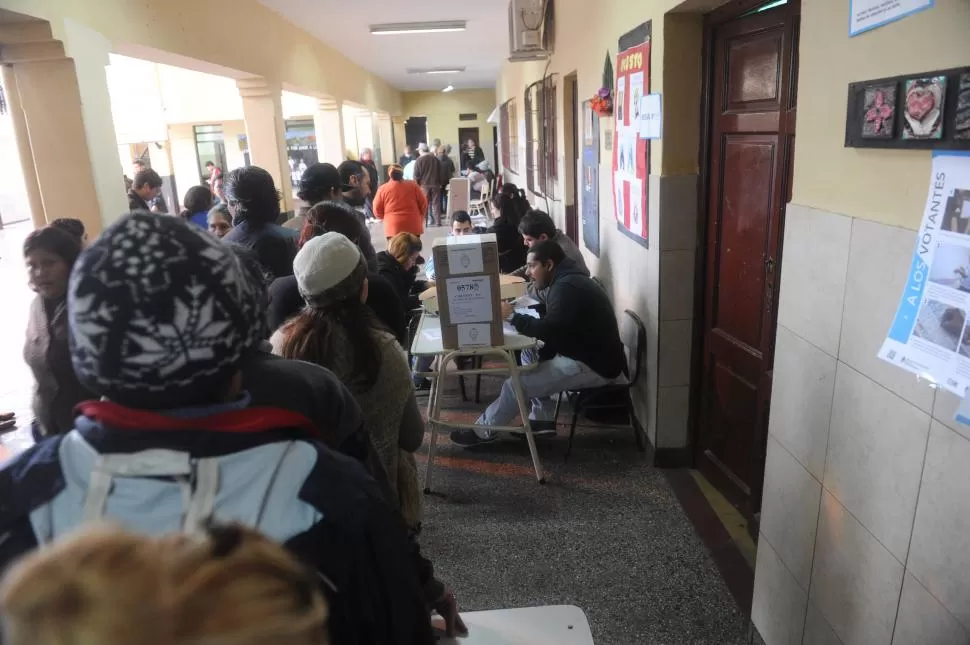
[386, 139]
[266, 131]
[44, 77]
[400, 138]
[26, 155]
[328, 122]
[351, 140]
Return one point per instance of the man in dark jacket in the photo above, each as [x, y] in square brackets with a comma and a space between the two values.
[356, 189]
[427, 174]
[581, 349]
[175, 441]
[145, 188]
[254, 204]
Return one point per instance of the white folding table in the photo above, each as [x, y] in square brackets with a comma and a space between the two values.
[427, 342]
[552, 625]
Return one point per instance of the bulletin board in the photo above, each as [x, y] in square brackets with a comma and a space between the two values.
[631, 153]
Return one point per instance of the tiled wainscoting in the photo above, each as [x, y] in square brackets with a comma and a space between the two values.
[865, 528]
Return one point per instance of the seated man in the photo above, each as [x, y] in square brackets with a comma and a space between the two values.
[175, 442]
[581, 345]
[461, 225]
[536, 226]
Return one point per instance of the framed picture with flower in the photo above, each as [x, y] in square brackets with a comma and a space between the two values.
[879, 120]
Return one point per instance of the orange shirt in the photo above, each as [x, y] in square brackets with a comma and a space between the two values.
[403, 207]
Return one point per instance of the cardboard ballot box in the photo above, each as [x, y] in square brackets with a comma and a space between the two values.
[467, 285]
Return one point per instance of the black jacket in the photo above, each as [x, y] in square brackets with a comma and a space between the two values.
[274, 245]
[404, 282]
[579, 323]
[511, 247]
[136, 203]
[285, 302]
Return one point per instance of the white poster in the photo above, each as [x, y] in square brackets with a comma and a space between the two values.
[929, 335]
[869, 14]
[465, 258]
[636, 93]
[651, 116]
[620, 103]
[475, 335]
[469, 299]
[636, 199]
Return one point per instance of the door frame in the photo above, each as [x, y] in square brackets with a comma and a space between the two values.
[573, 151]
[727, 12]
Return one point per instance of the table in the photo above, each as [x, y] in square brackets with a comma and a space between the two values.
[510, 287]
[551, 625]
[427, 342]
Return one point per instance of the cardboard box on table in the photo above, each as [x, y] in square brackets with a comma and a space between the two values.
[469, 295]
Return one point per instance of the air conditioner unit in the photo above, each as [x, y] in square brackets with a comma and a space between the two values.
[530, 30]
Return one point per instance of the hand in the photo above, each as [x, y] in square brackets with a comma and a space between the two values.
[7, 420]
[447, 608]
[507, 310]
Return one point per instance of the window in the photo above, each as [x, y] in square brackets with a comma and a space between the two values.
[209, 146]
[533, 137]
[510, 136]
[550, 162]
[540, 134]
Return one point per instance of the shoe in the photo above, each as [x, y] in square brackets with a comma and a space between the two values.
[421, 384]
[469, 437]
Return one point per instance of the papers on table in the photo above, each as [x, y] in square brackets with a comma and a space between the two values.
[432, 334]
[525, 301]
[525, 311]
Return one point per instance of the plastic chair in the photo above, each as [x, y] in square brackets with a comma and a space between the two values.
[633, 334]
[480, 205]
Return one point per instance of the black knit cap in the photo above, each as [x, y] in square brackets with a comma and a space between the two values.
[161, 314]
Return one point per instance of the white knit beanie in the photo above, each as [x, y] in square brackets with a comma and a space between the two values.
[324, 263]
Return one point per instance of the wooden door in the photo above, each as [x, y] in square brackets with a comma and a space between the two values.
[572, 159]
[751, 142]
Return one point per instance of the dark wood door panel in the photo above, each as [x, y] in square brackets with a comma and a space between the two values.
[731, 403]
[747, 176]
[753, 66]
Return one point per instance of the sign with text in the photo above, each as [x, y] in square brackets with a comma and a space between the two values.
[631, 153]
[869, 14]
[651, 116]
[930, 336]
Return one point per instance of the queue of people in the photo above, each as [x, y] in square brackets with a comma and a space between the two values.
[219, 367]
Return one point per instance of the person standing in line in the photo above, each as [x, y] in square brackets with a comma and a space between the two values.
[73, 226]
[407, 157]
[145, 188]
[409, 166]
[254, 204]
[157, 203]
[427, 173]
[340, 332]
[219, 220]
[198, 203]
[367, 159]
[356, 189]
[401, 205]
[447, 172]
[50, 254]
[215, 174]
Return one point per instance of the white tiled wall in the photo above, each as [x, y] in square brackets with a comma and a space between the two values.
[865, 527]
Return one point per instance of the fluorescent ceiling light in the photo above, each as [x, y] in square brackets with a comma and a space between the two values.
[396, 28]
[435, 70]
[450, 88]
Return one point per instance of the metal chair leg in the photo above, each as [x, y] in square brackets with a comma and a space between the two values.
[633, 424]
[572, 430]
[555, 417]
[461, 389]
[479, 362]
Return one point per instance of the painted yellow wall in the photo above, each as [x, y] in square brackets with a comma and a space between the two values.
[238, 34]
[442, 110]
[884, 185]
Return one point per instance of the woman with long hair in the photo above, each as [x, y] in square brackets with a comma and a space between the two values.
[285, 299]
[338, 331]
[50, 254]
[401, 204]
[104, 586]
[254, 205]
[197, 204]
[508, 206]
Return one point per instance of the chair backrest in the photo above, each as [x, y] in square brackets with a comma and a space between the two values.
[633, 334]
[486, 191]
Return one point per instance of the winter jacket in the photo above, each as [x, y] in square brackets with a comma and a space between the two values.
[274, 245]
[46, 352]
[271, 474]
[447, 168]
[403, 207]
[404, 282]
[427, 171]
[511, 247]
[579, 323]
[571, 251]
[285, 302]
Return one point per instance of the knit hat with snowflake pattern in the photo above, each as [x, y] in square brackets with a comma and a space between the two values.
[161, 314]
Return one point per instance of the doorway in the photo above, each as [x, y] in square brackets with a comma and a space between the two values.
[750, 92]
[415, 131]
[464, 134]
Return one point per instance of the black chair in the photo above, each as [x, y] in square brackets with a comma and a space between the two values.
[634, 337]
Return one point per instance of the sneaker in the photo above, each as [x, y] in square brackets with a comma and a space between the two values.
[469, 437]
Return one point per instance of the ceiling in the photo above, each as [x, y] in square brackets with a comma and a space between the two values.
[345, 26]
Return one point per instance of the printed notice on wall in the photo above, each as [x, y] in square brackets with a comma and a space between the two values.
[930, 335]
[869, 14]
[469, 299]
[465, 258]
[631, 152]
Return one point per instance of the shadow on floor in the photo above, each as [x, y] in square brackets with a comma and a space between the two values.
[606, 533]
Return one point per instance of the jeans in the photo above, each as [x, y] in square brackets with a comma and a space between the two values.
[433, 193]
[539, 384]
